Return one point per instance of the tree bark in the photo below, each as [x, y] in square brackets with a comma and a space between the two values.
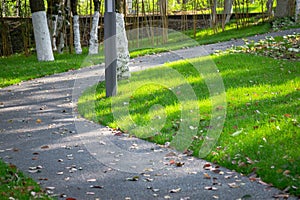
[164, 17]
[52, 12]
[269, 6]
[213, 15]
[285, 8]
[93, 48]
[122, 48]
[76, 27]
[41, 31]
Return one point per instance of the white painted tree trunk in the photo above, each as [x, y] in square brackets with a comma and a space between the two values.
[93, 49]
[77, 43]
[42, 36]
[122, 48]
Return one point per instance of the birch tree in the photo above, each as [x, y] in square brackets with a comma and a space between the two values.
[76, 28]
[41, 31]
[93, 48]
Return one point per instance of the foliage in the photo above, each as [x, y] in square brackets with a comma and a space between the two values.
[260, 132]
[286, 47]
[284, 23]
[14, 185]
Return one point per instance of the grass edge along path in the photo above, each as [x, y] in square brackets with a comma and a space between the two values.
[15, 185]
[260, 133]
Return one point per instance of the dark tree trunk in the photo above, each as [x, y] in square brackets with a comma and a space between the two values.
[285, 8]
[37, 5]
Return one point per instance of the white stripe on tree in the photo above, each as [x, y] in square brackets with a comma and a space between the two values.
[93, 49]
[42, 36]
[77, 43]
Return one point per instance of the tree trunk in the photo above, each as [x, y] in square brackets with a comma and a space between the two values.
[93, 49]
[41, 31]
[285, 8]
[122, 48]
[52, 12]
[227, 10]
[297, 11]
[213, 15]
[164, 17]
[269, 6]
[76, 28]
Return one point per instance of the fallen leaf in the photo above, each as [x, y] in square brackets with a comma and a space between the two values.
[38, 121]
[91, 180]
[135, 178]
[237, 133]
[70, 198]
[50, 188]
[90, 193]
[233, 185]
[179, 164]
[96, 186]
[170, 154]
[210, 188]
[215, 170]
[171, 162]
[216, 197]
[264, 183]
[45, 147]
[175, 190]
[281, 196]
[206, 176]
[207, 166]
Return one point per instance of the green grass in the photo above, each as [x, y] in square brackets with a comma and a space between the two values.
[262, 122]
[18, 68]
[13, 184]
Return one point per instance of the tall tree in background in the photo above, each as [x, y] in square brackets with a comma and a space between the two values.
[41, 31]
[77, 44]
[93, 48]
[213, 15]
[52, 13]
[269, 6]
[227, 12]
[164, 17]
[285, 8]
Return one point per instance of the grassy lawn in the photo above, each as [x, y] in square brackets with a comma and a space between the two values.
[229, 151]
[262, 122]
[18, 68]
[14, 185]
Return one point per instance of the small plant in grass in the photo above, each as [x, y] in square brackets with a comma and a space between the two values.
[15, 185]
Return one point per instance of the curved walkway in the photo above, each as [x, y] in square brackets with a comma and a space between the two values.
[41, 133]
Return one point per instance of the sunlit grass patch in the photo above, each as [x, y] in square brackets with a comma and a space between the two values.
[15, 185]
[261, 130]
